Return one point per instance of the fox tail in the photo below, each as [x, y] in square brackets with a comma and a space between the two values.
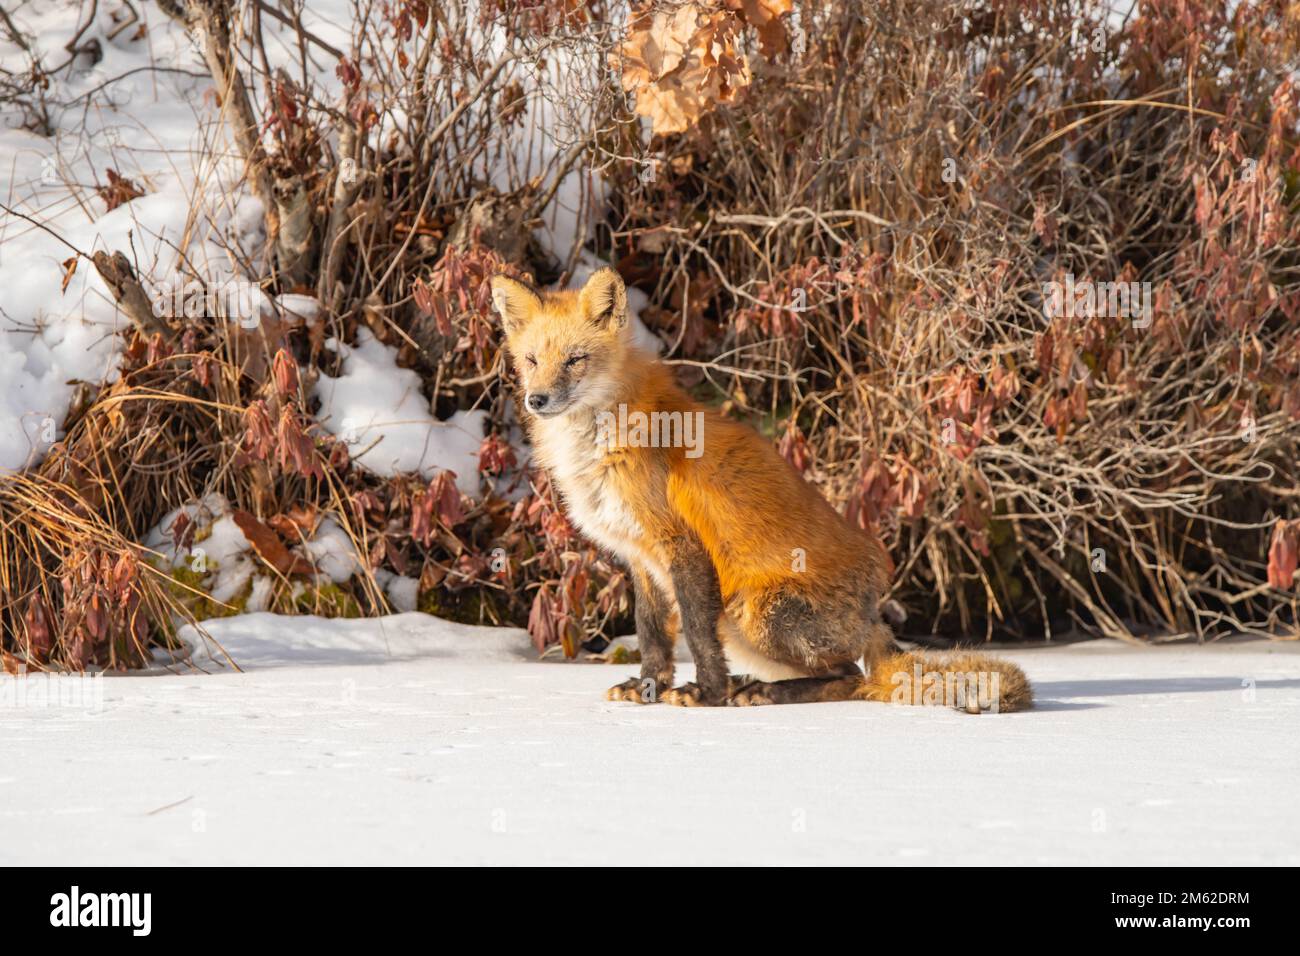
[973, 682]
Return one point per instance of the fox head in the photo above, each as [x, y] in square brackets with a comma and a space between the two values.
[568, 347]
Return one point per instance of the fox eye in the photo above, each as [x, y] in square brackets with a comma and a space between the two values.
[573, 360]
[532, 360]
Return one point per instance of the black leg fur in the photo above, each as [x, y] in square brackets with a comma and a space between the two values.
[799, 690]
[655, 640]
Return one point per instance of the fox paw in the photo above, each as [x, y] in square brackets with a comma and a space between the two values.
[638, 690]
[693, 695]
[753, 695]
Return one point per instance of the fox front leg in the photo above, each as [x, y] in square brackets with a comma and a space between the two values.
[699, 601]
[655, 641]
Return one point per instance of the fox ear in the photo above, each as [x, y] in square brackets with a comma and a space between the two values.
[515, 302]
[604, 299]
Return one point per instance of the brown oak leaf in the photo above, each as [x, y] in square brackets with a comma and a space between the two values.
[269, 547]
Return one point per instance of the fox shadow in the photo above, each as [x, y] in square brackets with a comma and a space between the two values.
[1063, 695]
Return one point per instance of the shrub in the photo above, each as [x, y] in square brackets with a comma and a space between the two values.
[1013, 283]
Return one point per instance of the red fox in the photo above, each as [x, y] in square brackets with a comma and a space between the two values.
[726, 543]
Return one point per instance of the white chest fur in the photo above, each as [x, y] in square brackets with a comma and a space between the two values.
[585, 475]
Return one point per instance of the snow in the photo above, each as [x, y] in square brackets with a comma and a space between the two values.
[377, 408]
[333, 553]
[402, 592]
[162, 130]
[220, 553]
[413, 740]
[151, 127]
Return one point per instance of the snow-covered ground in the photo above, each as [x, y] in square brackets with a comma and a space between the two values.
[412, 740]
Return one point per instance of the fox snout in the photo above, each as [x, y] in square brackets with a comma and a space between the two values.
[550, 387]
[550, 401]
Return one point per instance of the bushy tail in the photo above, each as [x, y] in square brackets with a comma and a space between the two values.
[975, 683]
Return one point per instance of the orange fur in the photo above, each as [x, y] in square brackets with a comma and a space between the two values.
[895, 679]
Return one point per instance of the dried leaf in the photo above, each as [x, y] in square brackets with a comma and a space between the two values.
[38, 629]
[69, 270]
[681, 64]
[118, 191]
[443, 491]
[764, 16]
[1284, 554]
[269, 547]
[285, 372]
[543, 620]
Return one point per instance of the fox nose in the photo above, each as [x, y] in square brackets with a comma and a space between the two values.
[537, 401]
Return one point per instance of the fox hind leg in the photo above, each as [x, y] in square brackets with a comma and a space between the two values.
[851, 684]
[812, 638]
[827, 641]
